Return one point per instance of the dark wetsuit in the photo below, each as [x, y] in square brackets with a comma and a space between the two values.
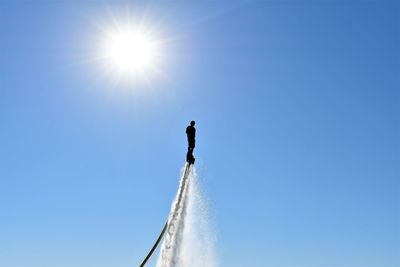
[191, 134]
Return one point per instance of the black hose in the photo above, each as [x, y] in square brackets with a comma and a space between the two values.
[155, 245]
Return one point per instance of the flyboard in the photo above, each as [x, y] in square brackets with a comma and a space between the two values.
[190, 161]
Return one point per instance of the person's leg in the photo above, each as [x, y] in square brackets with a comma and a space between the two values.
[191, 143]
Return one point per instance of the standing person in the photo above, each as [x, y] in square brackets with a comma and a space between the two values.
[191, 134]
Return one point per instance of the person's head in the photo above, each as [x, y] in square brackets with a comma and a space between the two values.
[192, 123]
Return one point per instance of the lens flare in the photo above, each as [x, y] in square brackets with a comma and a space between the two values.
[129, 51]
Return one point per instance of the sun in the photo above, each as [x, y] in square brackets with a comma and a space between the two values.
[130, 51]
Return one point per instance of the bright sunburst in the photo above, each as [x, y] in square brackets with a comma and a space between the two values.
[130, 51]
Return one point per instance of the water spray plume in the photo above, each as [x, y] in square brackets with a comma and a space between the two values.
[188, 240]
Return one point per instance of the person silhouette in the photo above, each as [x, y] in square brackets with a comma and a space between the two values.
[191, 134]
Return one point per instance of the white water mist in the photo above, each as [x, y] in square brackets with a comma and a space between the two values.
[189, 241]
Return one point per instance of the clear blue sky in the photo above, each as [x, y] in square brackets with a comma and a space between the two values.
[297, 105]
